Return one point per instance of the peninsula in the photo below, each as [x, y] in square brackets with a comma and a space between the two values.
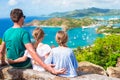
[64, 23]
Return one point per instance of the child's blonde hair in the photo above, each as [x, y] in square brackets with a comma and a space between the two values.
[38, 34]
[61, 38]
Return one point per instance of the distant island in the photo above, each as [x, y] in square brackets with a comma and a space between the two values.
[110, 28]
[86, 12]
[71, 19]
[64, 23]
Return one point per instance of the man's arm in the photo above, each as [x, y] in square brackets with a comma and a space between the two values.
[2, 53]
[34, 55]
[21, 59]
[34, 62]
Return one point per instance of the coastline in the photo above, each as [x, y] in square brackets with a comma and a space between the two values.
[51, 26]
[64, 23]
[90, 26]
[110, 33]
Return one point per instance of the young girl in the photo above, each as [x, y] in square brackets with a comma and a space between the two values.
[62, 56]
[42, 50]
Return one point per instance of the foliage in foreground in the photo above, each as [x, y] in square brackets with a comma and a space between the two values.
[0, 40]
[104, 52]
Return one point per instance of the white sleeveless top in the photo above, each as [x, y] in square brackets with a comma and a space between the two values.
[42, 50]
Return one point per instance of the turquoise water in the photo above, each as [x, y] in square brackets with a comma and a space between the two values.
[6, 23]
[117, 25]
[106, 17]
[77, 36]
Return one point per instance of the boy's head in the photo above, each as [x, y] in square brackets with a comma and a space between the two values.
[38, 34]
[16, 14]
[61, 38]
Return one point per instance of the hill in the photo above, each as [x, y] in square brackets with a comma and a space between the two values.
[65, 23]
[86, 12]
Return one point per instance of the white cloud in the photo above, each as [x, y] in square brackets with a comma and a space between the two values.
[12, 2]
[47, 6]
[36, 2]
[38, 7]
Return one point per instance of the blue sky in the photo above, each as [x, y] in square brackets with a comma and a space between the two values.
[39, 7]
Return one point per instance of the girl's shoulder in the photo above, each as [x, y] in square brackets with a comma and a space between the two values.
[55, 48]
[60, 48]
[44, 46]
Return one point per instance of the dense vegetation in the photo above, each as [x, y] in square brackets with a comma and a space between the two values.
[104, 52]
[66, 23]
[110, 27]
[110, 30]
[0, 40]
[114, 21]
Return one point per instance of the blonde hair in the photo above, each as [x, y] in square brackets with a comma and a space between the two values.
[38, 34]
[61, 38]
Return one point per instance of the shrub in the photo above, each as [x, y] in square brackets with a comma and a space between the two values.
[104, 52]
[0, 41]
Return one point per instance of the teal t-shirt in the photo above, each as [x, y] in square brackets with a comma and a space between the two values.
[15, 40]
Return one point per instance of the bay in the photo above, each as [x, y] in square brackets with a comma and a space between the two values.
[77, 36]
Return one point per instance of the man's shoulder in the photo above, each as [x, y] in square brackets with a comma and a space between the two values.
[8, 29]
[23, 31]
[18, 29]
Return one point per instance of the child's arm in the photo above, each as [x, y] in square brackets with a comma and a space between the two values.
[21, 59]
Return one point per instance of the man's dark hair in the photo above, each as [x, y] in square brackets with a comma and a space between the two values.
[16, 14]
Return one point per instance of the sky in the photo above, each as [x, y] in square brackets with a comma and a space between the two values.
[44, 7]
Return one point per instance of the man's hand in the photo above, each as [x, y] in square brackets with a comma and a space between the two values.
[60, 71]
[51, 65]
[54, 71]
[10, 61]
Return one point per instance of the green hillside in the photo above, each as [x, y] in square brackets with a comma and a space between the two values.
[86, 12]
[65, 23]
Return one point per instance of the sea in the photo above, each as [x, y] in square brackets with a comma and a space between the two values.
[78, 37]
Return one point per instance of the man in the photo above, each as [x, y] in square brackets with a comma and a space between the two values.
[16, 40]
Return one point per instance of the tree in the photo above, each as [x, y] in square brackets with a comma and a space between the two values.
[104, 52]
